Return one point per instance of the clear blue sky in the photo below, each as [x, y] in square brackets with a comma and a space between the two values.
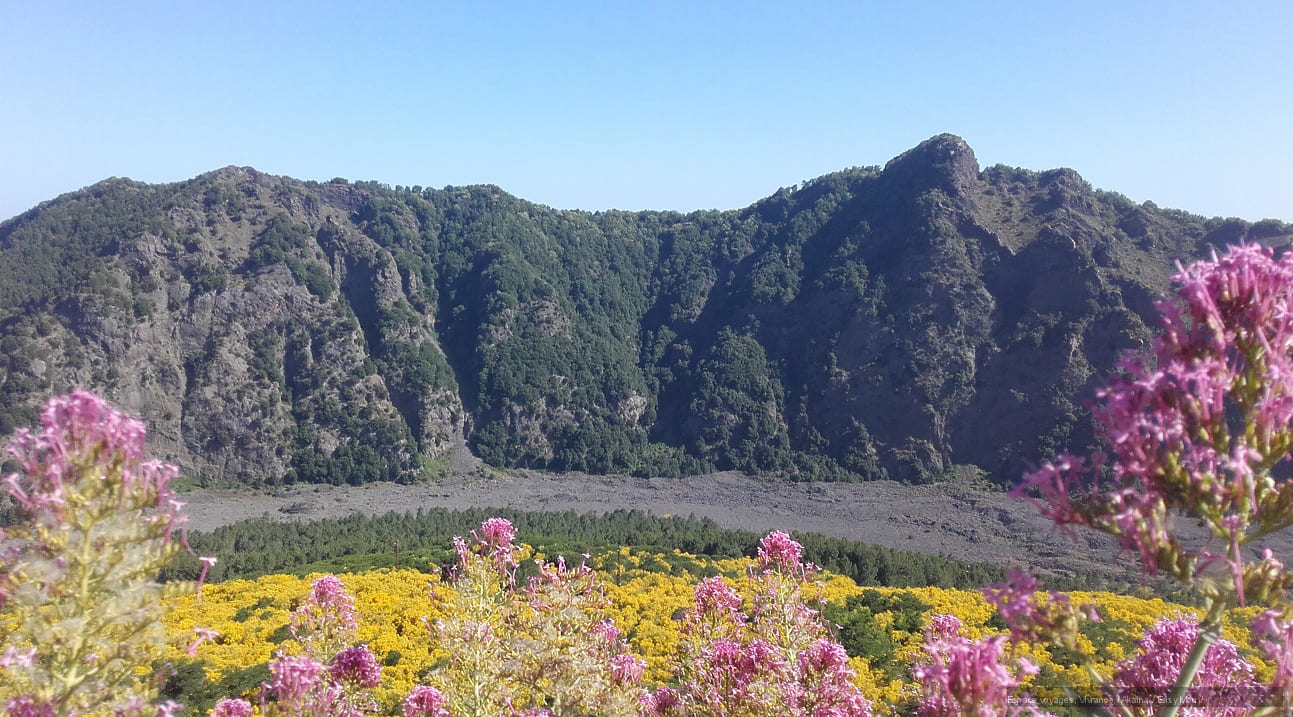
[677, 105]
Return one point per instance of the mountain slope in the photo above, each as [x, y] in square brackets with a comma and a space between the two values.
[918, 321]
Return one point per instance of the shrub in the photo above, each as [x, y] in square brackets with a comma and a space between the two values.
[97, 522]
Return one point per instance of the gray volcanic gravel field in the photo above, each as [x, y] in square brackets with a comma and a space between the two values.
[939, 519]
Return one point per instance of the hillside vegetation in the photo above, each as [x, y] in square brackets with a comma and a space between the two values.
[920, 321]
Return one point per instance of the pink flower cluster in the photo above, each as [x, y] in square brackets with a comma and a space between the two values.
[1196, 427]
[494, 541]
[82, 434]
[299, 688]
[1223, 687]
[356, 666]
[826, 682]
[778, 662]
[333, 678]
[232, 708]
[326, 622]
[777, 551]
[425, 701]
[1193, 430]
[1274, 637]
[97, 523]
[716, 610]
[28, 707]
[966, 677]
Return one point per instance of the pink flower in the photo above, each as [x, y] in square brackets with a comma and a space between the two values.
[425, 701]
[716, 600]
[326, 621]
[778, 551]
[943, 627]
[964, 677]
[80, 430]
[329, 591]
[298, 686]
[627, 669]
[356, 666]
[203, 635]
[664, 702]
[494, 541]
[17, 657]
[497, 533]
[607, 631]
[1223, 687]
[232, 708]
[1274, 635]
[28, 707]
[1195, 427]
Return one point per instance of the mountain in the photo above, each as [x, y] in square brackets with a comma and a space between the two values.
[919, 321]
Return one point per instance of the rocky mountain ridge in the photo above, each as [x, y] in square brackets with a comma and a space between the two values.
[922, 321]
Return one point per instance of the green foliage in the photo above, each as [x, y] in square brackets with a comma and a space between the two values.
[862, 636]
[867, 324]
[357, 543]
[283, 241]
[185, 681]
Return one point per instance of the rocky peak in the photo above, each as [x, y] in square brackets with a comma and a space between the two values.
[944, 162]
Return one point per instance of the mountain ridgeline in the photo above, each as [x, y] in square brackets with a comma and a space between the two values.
[922, 321]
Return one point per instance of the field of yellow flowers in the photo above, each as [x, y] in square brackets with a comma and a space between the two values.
[648, 591]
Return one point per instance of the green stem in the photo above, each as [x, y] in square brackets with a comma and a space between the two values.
[1209, 632]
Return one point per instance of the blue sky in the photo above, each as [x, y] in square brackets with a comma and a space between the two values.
[656, 105]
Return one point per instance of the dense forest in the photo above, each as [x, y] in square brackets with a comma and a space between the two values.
[423, 541]
[922, 321]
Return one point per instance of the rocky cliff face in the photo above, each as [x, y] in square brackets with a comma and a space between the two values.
[924, 320]
[242, 323]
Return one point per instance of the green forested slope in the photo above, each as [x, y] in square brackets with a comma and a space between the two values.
[924, 320]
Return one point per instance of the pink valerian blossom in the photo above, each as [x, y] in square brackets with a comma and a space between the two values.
[607, 631]
[294, 677]
[203, 635]
[960, 676]
[232, 708]
[516, 648]
[301, 687]
[1196, 427]
[497, 533]
[97, 523]
[716, 610]
[425, 701]
[494, 541]
[777, 551]
[826, 682]
[1224, 686]
[356, 666]
[17, 657]
[664, 702]
[735, 679]
[776, 661]
[1273, 634]
[942, 627]
[80, 431]
[627, 669]
[326, 621]
[1035, 616]
[28, 707]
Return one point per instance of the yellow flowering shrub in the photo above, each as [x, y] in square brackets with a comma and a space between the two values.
[252, 617]
[647, 593]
